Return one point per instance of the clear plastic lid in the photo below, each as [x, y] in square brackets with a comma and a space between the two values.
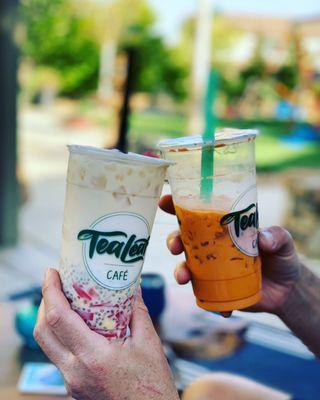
[222, 137]
[116, 155]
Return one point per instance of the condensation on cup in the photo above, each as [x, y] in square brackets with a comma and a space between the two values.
[110, 206]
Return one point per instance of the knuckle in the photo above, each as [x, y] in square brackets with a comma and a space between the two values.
[71, 364]
[288, 235]
[142, 307]
[54, 318]
[74, 387]
[280, 232]
[96, 367]
[139, 303]
[283, 235]
[45, 288]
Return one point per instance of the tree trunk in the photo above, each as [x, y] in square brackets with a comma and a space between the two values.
[8, 125]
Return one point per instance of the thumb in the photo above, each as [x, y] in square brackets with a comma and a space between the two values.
[141, 325]
[276, 240]
[280, 261]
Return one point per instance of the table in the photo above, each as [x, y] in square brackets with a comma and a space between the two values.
[12, 357]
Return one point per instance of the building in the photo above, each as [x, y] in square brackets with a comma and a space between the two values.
[275, 36]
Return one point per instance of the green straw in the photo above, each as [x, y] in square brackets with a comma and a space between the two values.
[207, 156]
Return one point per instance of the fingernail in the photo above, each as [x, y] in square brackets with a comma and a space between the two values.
[47, 273]
[171, 241]
[177, 271]
[267, 236]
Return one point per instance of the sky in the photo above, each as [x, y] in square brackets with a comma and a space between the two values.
[171, 13]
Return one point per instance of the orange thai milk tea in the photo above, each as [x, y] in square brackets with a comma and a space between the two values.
[220, 230]
[223, 277]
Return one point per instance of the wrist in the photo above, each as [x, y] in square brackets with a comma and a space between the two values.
[300, 311]
[282, 294]
[294, 300]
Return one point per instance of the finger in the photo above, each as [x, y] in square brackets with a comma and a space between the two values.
[141, 325]
[66, 324]
[280, 262]
[166, 204]
[182, 273]
[226, 314]
[276, 240]
[48, 342]
[174, 243]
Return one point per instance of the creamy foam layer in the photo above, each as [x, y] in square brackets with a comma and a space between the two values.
[119, 178]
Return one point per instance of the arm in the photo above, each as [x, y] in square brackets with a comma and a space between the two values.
[289, 289]
[301, 310]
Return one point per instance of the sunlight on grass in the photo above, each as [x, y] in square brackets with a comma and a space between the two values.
[271, 150]
[272, 153]
[169, 124]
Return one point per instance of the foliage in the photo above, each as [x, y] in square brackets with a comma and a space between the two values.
[234, 80]
[55, 38]
[287, 75]
[109, 20]
[232, 87]
[224, 38]
[66, 35]
[155, 68]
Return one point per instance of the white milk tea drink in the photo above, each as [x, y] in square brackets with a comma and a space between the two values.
[110, 205]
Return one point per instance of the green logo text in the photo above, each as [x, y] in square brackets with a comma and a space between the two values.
[127, 249]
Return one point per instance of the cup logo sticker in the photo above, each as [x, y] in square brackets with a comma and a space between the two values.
[243, 222]
[114, 247]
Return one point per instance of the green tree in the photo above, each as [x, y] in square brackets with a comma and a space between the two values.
[67, 36]
[288, 74]
[155, 67]
[234, 85]
[55, 37]
[224, 39]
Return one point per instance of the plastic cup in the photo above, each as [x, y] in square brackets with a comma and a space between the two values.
[219, 232]
[110, 205]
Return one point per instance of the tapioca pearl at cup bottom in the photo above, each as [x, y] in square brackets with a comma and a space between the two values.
[108, 323]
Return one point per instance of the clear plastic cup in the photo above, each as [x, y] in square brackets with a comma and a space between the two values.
[111, 201]
[219, 233]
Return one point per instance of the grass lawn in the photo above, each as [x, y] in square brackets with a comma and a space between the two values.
[271, 152]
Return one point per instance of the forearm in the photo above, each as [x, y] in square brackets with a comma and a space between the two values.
[301, 310]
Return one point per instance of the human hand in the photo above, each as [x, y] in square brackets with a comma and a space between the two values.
[95, 368]
[280, 263]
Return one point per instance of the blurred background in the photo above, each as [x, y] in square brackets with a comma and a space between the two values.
[89, 71]
[127, 73]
